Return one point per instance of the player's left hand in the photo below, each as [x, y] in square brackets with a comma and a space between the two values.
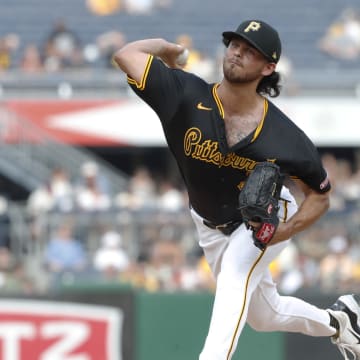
[281, 233]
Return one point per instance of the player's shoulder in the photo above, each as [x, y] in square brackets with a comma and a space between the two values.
[195, 86]
[159, 65]
[276, 113]
[282, 120]
[287, 127]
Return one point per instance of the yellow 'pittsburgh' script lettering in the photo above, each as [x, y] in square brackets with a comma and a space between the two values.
[207, 151]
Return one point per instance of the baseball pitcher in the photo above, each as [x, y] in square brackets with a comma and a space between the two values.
[234, 147]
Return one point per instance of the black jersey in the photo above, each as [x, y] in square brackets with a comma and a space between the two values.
[192, 118]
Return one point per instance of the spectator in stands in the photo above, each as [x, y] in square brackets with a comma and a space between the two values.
[141, 191]
[170, 198]
[348, 183]
[108, 42]
[7, 263]
[90, 195]
[56, 194]
[111, 258]
[163, 271]
[336, 268]
[143, 7]
[40, 200]
[197, 62]
[196, 274]
[61, 190]
[331, 165]
[104, 7]
[62, 48]
[288, 82]
[31, 61]
[8, 45]
[342, 38]
[64, 252]
[13, 277]
[100, 53]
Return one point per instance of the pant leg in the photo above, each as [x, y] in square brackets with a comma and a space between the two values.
[269, 311]
[238, 267]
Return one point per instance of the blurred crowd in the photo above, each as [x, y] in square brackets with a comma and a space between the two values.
[64, 50]
[147, 239]
[81, 232]
[342, 37]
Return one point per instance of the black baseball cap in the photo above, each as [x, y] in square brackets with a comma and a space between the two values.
[260, 35]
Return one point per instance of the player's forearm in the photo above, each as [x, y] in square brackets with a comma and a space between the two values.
[132, 58]
[312, 208]
[156, 47]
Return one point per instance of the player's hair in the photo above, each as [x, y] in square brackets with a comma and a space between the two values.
[269, 85]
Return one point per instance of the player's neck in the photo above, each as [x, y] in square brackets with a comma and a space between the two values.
[238, 98]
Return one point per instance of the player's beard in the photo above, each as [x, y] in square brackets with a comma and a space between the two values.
[237, 75]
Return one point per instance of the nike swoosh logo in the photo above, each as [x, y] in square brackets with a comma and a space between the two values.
[200, 106]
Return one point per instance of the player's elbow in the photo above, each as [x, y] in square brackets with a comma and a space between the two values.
[325, 201]
[319, 204]
[118, 58]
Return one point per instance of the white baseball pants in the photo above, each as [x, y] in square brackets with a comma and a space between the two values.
[245, 291]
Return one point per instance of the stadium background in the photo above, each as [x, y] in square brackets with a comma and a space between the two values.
[67, 115]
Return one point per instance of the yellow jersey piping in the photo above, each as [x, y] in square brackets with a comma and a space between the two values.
[222, 112]
[217, 100]
[286, 211]
[141, 85]
[244, 302]
[261, 124]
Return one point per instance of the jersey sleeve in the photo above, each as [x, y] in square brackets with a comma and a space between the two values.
[310, 170]
[161, 88]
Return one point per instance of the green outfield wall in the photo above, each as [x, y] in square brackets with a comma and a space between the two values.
[174, 326]
[156, 326]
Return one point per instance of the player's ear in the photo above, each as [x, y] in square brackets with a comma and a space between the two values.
[268, 69]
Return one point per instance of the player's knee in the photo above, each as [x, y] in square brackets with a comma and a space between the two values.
[260, 324]
[255, 324]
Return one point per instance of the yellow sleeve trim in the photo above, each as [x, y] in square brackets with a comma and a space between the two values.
[141, 85]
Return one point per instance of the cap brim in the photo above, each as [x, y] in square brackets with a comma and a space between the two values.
[228, 35]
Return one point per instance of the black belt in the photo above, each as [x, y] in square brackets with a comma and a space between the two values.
[227, 228]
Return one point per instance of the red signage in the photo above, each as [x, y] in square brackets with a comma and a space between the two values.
[37, 330]
[81, 122]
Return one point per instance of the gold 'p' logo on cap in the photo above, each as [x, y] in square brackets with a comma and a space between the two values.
[253, 26]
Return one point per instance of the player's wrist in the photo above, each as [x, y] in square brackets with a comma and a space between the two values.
[285, 231]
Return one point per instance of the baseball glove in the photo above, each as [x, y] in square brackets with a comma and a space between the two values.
[259, 201]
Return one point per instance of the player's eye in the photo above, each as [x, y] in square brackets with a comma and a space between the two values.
[234, 45]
